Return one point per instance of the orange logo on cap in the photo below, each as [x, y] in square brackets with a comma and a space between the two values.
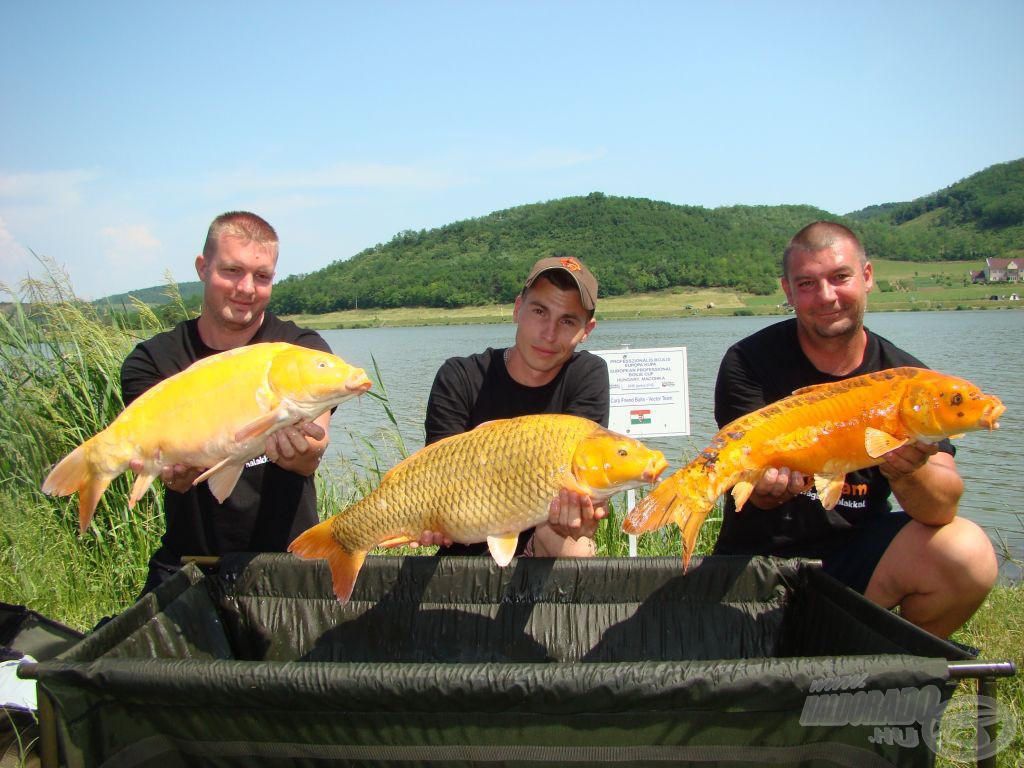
[571, 264]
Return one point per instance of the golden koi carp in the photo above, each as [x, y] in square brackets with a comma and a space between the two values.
[489, 484]
[825, 431]
[217, 413]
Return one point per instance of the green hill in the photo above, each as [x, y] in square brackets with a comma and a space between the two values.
[636, 245]
[633, 244]
[154, 296]
[980, 216]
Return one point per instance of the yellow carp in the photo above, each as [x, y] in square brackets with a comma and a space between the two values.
[489, 483]
[826, 431]
[217, 413]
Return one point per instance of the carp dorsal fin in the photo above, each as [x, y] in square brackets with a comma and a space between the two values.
[222, 478]
[827, 387]
[503, 547]
[829, 488]
[878, 443]
[741, 493]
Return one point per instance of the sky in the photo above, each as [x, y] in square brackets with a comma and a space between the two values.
[126, 127]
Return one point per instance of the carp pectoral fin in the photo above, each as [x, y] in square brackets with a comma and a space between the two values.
[741, 493]
[878, 443]
[221, 479]
[503, 548]
[261, 426]
[139, 488]
[829, 488]
[398, 541]
[571, 483]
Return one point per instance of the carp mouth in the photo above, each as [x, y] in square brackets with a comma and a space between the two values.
[358, 383]
[654, 468]
[990, 418]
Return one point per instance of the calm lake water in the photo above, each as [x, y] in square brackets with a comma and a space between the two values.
[984, 346]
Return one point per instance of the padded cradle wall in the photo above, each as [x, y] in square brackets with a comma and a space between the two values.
[454, 661]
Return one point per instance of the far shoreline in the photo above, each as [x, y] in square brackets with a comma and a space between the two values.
[703, 304]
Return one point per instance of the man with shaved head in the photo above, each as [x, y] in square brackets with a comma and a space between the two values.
[275, 498]
[935, 566]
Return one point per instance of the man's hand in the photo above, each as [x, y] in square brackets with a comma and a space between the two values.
[573, 515]
[291, 441]
[176, 477]
[777, 486]
[298, 448]
[906, 460]
[431, 539]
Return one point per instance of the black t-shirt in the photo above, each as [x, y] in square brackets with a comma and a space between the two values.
[469, 391]
[768, 366]
[269, 506]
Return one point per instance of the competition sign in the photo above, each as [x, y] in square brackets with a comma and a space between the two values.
[648, 390]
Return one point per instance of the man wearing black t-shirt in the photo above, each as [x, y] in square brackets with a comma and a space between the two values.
[275, 498]
[936, 566]
[541, 373]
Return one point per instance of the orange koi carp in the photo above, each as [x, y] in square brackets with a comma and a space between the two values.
[826, 431]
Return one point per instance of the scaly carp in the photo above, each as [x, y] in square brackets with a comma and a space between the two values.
[217, 413]
[489, 484]
[826, 431]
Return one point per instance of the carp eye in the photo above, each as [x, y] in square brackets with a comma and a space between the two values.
[956, 399]
[321, 364]
[623, 452]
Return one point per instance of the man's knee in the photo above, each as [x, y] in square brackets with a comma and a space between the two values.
[956, 558]
[966, 555]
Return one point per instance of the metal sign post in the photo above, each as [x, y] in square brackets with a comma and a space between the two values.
[648, 396]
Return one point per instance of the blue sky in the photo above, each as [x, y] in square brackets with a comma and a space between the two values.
[125, 127]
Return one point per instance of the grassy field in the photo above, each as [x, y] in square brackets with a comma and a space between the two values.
[901, 286]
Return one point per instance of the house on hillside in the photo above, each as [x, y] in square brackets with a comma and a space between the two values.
[1002, 270]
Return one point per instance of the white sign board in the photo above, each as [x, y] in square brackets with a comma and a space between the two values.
[649, 391]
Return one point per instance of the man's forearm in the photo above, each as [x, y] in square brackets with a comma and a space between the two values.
[931, 494]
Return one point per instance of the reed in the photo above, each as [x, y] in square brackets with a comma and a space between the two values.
[59, 382]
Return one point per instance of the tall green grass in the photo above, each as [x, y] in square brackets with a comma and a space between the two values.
[59, 381]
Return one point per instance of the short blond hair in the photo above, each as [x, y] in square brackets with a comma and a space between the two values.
[818, 236]
[243, 225]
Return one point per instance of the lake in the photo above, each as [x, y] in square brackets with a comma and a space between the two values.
[984, 346]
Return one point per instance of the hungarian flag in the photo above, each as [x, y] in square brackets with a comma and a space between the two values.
[640, 416]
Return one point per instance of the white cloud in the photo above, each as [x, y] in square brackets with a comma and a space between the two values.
[338, 176]
[558, 158]
[15, 258]
[44, 190]
[129, 246]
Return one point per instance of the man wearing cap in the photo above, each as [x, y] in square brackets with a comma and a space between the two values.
[541, 373]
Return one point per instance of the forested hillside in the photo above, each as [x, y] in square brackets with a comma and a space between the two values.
[637, 245]
[983, 213]
[633, 245]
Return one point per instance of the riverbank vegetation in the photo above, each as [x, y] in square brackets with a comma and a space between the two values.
[901, 287]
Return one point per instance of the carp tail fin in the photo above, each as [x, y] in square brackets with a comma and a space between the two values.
[655, 510]
[318, 542]
[75, 473]
[685, 498]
